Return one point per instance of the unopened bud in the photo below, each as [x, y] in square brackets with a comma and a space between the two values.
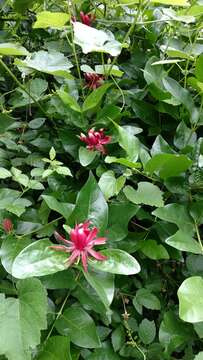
[7, 225]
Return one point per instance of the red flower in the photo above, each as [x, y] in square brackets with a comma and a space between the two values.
[87, 19]
[93, 81]
[96, 140]
[7, 225]
[82, 240]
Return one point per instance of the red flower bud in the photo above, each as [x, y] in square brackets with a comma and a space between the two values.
[87, 19]
[93, 81]
[95, 140]
[7, 225]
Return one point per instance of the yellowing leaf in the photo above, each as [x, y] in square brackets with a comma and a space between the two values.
[47, 19]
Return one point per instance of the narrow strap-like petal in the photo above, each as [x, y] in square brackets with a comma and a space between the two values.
[84, 260]
[60, 248]
[98, 241]
[92, 234]
[73, 257]
[97, 255]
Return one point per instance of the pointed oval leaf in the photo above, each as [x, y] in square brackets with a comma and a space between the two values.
[38, 259]
[190, 295]
[118, 262]
[12, 49]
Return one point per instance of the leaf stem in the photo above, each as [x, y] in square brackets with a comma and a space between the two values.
[44, 226]
[198, 236]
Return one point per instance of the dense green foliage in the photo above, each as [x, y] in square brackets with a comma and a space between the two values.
[137, 73]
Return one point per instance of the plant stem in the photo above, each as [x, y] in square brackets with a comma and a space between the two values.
[198, 236]
[58, 315]
[44, 226]
[21, 86]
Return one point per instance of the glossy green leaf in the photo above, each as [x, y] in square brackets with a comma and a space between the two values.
[168, 165]
[190, 295]
[199, 356]
[10, 248]
[145, 298]
[47, 19]
[86, 156]
[128, 142]
[64, 209]
[4, 173]
[15, 321]
[154, 251]
[118, 262]
[103, 284]
[56, 347]
[69, 100]
[12, 49]
[109, 185]
[184, 241]
[118, 338]
[147, 193]
[94, 98]
[122, 161]
[79, 326]
[90, 205]
[38, 259]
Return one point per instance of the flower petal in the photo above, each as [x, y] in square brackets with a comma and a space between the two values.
[73, 257]
[84, 260]
[98, 241]
[93, 233]
[60, 238]
[61, 248]
[97, 255]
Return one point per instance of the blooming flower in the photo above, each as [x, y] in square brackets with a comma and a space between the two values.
[96, 140]
[81, 243]
[7, 225]
[93, 80]
[87, 19]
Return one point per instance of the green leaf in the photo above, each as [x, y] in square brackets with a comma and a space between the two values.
[4, 173]
[60, 280]
[15, 321]
[109, 185]
[10, 248]
[184, 241]
[128, 142]
[69, 100]
[11, 201]
[118, 230]
[118, 262]
[108, 69]
[93, 40]
[90, 205]
[168, 165]
[122, 161]
[173, 332]
[147, 331]
[47, 19]
[199, 67]
[63, 170]
[154, 251]
[145, 298]
[147, 193]
[190, 295]
[118, 338]
[103, 284]
[79, 326]
[199, 356]
[172, 2]
[56, 347]
[64, 209]
[38, 259]
[104, 354]
[12, 49]
[52, 153]
[93, 99]
[86, 156]
[53, 63]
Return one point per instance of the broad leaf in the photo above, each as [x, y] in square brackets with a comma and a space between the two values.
[47, 19]
[95, 97]
[90, 205]
[4, 173]
[69, 100]
[19, 332]
[168, 165]
[103, 284]
[147, 331]
[12, 49]
[154, 251]
[56, 347]
[190, 295]
[128, 142]
[64, 209]
[147, 193]
[109, 185]
[54, 63]
[118, 262]
[10, 248]
[91, 40]
[86, 156]
[38, 259]
[79, 326]
[198, 68]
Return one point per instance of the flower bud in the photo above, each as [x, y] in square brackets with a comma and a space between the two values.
[7, 225]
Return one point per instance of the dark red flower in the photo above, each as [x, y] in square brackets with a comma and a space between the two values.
[7, 225]
[96, 140]
[81, 243]
[87, 19]
[93, 81]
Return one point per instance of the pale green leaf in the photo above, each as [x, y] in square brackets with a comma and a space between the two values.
[12, 49]
[4, 173]
[190, 295]
[147, 193]
[47, 19]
